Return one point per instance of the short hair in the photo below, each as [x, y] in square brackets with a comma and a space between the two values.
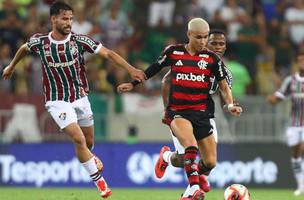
[197, 23]
[217, 31]
[57, 6]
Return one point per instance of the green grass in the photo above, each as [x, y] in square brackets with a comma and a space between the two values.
[130, 194]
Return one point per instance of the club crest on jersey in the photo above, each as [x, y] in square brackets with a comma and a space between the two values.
[73, 50]
[202, 64]
[62, 116]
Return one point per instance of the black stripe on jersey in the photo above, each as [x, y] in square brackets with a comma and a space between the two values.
[192, 63]
[179, 88]
[186, 102]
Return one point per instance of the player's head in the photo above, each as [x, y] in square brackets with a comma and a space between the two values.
[300, 59]
[198, 30]
[61, 17]
[217, 42]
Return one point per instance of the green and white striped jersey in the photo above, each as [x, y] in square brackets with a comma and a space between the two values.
[63, 65]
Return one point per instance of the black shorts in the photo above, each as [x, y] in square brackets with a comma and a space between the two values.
[201, 125]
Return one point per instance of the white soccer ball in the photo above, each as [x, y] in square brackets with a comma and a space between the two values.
[236, 192]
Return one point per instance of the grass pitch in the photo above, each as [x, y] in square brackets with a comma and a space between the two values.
[130, 194]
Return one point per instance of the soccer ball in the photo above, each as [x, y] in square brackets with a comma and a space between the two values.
[236, 192]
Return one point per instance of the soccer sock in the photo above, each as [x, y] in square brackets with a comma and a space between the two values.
[297, 170]
[191, 168]
[167, 156]
[91, 168]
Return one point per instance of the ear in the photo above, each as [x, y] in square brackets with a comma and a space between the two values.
[53, 19]
[188, 34]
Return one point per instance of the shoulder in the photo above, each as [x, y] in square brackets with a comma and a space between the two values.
[37, 38]
[83, 38]
[174, 47]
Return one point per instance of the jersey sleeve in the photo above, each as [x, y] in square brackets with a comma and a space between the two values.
[163, 60]
[285, 89]
[218, 69]
[89, 44]
[33, 42]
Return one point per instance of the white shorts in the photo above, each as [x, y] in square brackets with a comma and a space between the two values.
[65, 113]
[295, 135]
[181, 150]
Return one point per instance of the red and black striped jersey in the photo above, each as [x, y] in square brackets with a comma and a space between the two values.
[63, 66]
[191, 77]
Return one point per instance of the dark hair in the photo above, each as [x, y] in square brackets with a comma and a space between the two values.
[57, 6]
[217, 31]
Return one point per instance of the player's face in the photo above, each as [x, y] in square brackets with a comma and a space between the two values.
[217, 43]
[300, 60]
[63, 22]
[198, 39]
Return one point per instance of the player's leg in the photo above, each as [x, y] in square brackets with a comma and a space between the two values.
[66, 118]
[294, 141]
[89, 136]
[183, 130]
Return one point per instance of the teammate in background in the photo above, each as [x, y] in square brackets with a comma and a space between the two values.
[192, 67]
[61, 53]
[293, 86]
[217, 44]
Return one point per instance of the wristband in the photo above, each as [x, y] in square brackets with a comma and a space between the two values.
[135, 82]
[230, 106]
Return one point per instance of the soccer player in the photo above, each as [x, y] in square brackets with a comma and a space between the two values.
[192, 67]
[216, 43]
[293, 87]
[64, 82]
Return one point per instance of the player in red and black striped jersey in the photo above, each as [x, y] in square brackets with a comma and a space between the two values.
[64, 80]
[216, 43]
[192, 67]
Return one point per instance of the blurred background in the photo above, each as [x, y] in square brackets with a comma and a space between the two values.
[263, 37]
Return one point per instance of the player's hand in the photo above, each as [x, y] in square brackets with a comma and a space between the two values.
[235, 110]
[83, 93]
[7, 72]
[138, 75]
[272, 99]
[125, 87]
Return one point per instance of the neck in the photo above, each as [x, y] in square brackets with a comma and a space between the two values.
[190, 49]
[58, 36]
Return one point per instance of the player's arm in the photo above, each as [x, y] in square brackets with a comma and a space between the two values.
[228, 99]
[165, 89]
[117, 59]
[282, 92]
[149, 72]
[21, 53]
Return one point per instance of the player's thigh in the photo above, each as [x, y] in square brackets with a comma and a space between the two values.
[183, 130]
[62, 112]
[74, 131]
[207, 147]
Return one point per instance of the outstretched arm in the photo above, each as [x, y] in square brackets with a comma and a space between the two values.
[117, 59]
[228, 99]
[21, 53]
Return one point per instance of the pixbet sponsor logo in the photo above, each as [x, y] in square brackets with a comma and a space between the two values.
[41, 172]
[140, 169]
[190, 77]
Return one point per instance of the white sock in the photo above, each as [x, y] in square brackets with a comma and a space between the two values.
[193, 188]
[186, 193]
[297, 170]
[167, 156]
[91, 168]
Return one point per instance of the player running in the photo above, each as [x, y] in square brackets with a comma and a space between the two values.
[64, 81]
[293, 87]
[192, 68]
[216, 43]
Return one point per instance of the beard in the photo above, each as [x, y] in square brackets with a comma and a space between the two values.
[64, 30]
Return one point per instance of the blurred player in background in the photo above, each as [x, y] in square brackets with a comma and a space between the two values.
[61, 53]
[217, 44]
[293, 87]
[192, 68]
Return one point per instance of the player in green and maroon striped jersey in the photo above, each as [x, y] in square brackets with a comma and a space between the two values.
[61, 53]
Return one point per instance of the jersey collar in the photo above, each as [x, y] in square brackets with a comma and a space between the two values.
[59, 41]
